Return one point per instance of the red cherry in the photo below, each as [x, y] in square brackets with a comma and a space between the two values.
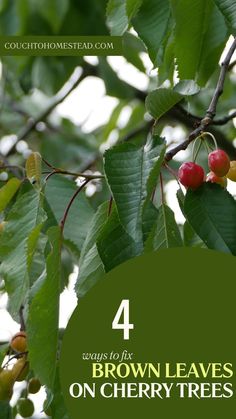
[191, 175]
[219, 162]
[213, 178]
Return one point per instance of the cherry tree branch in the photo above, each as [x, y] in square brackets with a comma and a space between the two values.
[225, 119]
[211, 111]
[73, 82]
[231, 66]
[221, 121]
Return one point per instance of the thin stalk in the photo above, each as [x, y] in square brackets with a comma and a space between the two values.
[64, 218]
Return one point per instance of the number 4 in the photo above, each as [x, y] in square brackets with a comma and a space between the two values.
[126, 326]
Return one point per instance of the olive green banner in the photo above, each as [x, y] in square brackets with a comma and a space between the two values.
[60, 45]
[150, 341]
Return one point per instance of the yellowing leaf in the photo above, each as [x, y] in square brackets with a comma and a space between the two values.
[33, 167]
[8, 191]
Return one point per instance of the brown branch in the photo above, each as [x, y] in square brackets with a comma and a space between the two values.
[221, 121]
[211, 111]
[231, 66]
[75, 174]
[58, 170]
[58, 98]
[225, 119]
[175, 115]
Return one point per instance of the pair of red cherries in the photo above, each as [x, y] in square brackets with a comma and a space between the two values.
[192, 175]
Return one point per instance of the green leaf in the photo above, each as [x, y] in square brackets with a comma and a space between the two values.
[132, 173]
[228, 9]
[3, 350]
[3, 4]
[32, 243]
[114, 86]
[132, 48]
[112, 123]
[165, 233]
[67, 267]
[49, 74]
[214, 43]
[58, 192]
[42, 323]
[25, 215]
[5, 410]
[117, 19]
[150, 215]
[192, 20]
[211, 211]
[161, 100]
[90, 264]
[36, 255]
[8, 191]
[166, 57]
[132, 7]
[191, 239]
[57, 406]
[187, 87]
[151, 24]
[114, 245]
[119, 13]
[53, 11]
[181, 197]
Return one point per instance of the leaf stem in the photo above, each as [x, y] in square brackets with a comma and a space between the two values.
[63, 221]
[58, 170]
[162, 189]
[22, 320]
[77, 174]
[16, 356]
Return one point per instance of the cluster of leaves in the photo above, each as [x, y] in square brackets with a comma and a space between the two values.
[192, 33]
[31, 238]
[36, 254]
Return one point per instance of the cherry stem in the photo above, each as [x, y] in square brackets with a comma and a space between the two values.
[207, 147]
[173, 173]
[209, 134]
[171, 170]
[16, 356]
